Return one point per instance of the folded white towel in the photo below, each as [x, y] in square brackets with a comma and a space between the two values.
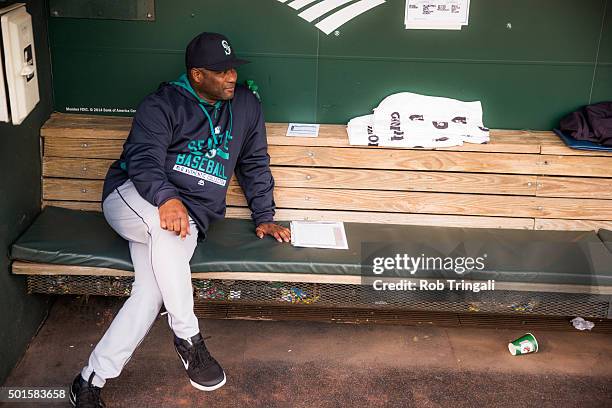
[361, 133]
[411, 120]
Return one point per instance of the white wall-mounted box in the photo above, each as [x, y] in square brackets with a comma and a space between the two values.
[4, 112]
[19, 61]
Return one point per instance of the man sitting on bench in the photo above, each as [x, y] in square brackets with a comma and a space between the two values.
[161, 195]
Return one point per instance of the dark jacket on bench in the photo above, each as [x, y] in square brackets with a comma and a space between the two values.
[180, 146]
[592, 123]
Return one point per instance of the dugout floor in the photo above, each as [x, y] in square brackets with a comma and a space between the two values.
[313, 364]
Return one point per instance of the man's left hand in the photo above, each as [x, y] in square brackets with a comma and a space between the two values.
[279, 232]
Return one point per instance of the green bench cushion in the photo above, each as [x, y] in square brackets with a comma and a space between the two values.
[71, 237]
[606, 238]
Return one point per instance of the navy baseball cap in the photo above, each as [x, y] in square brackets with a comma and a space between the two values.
[211, 51]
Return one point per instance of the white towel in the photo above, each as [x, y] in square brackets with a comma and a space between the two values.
[361, 133]
[411, 120]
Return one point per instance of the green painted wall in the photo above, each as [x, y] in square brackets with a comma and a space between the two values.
[20, 203]
[556, 57]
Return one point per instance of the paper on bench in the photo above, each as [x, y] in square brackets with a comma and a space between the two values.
[318, 234]
[303, 129]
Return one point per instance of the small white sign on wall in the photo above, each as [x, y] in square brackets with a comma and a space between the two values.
[437, 14]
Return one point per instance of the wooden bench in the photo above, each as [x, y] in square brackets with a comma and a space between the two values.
[521, 180]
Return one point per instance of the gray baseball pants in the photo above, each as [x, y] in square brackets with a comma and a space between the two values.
[162, 276]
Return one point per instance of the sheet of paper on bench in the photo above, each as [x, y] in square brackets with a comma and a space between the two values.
[303, 129]
[318, 234]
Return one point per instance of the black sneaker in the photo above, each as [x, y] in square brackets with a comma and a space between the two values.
[203, 370]
[83, 394]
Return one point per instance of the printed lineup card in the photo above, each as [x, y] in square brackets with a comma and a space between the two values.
[318, 234]
[437, 14]
[303, 130]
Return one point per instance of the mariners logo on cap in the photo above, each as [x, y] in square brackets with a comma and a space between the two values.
[228, 49]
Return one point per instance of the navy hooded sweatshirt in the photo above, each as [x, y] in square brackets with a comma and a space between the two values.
[180, 146]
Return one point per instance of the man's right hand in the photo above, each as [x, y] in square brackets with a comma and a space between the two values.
[173, 216]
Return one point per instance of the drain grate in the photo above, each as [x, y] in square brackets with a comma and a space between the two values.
[218, 310]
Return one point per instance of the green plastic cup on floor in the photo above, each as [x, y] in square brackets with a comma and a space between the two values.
[523, 345]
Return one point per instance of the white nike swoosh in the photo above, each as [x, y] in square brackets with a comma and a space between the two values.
[186, 364]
